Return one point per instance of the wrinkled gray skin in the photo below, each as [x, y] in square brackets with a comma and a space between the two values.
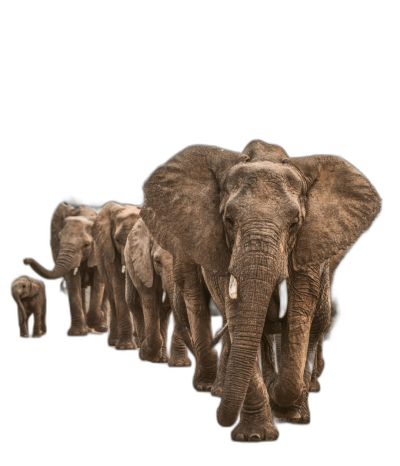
[30, 296]
[149, 286]
[110, 232]
[258, 219]
[72, 248]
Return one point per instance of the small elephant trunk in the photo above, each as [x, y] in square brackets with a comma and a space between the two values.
[21, 310]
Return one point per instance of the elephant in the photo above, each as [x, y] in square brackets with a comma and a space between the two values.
[110, 231]
[255, 222]
[30, 296]
[149, 294]
[72, 249]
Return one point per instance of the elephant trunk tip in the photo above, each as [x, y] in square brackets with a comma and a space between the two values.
[226, 419]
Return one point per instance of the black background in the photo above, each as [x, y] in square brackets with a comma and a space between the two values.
[93, 133]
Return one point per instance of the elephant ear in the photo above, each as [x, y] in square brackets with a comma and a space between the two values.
[138, 253]
[102, 231]
[57, 222]
[181, 210]
[259, 151]
[35, 287]
[341, 204]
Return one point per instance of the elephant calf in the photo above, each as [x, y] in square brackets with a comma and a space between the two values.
[30, 296]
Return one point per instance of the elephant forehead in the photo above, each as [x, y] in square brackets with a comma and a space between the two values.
[266, 176]
[77, 224]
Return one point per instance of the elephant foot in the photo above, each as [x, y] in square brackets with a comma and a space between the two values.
[179, 360]
[164, 356]
[127, 344]
[24, 335]
[76, 331]
[203, 380]
[254, 428]
[100, 329]
[146, 353]
[217, 390]
[37, 334]
[314, 386]
[112, 341]
[299, 413]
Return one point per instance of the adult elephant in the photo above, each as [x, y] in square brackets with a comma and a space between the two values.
[253, 221]
[149, 294]
[110, 231]
[72, 248]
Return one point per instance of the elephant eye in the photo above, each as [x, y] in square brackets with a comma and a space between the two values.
[158, 261]
[23, 286]
[86, 245]
[228, 220]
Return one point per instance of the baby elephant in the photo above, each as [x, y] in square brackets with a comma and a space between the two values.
[30, 296]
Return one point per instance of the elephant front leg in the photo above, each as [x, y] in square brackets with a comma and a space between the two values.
[151, 348]
[78, 321]
[189, 279]
[95, 318]
[206, 358]
[125, 328]
[23, 323]
[133, 301]
[37, 325]
[317, 370]
[255, 422]
[113, 335]
[179, 356]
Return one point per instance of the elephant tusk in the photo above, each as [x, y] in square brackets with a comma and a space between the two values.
[123, 269]
[283, 299]
[233, 287]
[76, 270]
[164, 295]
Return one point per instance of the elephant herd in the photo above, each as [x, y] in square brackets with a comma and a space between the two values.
[260, 232]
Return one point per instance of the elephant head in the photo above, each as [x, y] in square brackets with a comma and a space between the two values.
[71, 241]
[23, 287]
[111, 229]
[253, 217]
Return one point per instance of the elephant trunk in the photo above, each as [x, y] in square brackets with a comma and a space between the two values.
[256, 274]
[68, 259]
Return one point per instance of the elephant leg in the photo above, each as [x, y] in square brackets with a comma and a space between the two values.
[125, 328]
[218, 387]
[298, 411]
[78, 323]
[83, 294]
[23, 322]
[43, 313]
[113, 335]
[179, 356]
[151, 348]
[189, 280]
[317, 370]
[37, 325]
[255, 420]
[268, 356]
[133, 301]
[95, 318]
